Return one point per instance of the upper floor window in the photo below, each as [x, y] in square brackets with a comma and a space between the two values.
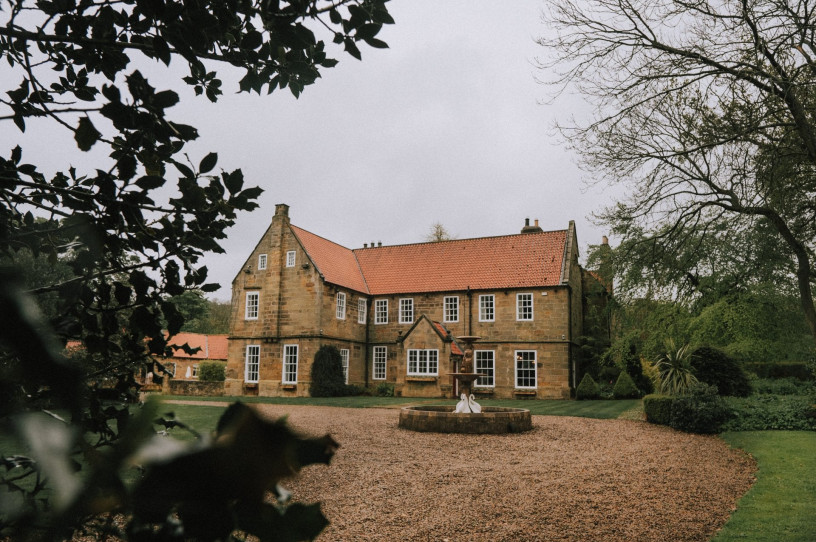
[261, 261]
[526, 368]
[290, 258]
[252, 362]
[290, 363]
[451, 309]
[406, 312]
[485, 363]
[195, 370]
[252, 302]
[381, 311]
[487, 308]
[524, 306]
[380, 359]
[341, 305]
[362, 308]
[423, 362]
[344, 359]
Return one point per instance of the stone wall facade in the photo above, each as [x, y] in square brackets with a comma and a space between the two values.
[297, 312]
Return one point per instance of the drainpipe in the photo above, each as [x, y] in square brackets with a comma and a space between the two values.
[470, 311]
[366, 358]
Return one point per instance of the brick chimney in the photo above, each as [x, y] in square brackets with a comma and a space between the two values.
[531, 229]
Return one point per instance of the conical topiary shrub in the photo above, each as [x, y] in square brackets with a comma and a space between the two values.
[588, 388]
[625, 387]
[327, 373]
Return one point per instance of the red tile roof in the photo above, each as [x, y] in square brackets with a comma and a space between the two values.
[336, 263]
[445, 333]
[212, 346]
[509, 261]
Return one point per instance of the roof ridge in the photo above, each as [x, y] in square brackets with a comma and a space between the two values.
[460, 240]
[321, 237]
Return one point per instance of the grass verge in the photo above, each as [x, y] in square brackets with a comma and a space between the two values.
[781, 506]
[600, 409]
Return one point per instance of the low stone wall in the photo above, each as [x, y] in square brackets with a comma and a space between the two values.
[441, 419]
[195, 388]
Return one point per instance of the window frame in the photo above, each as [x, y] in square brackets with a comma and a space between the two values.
[419, 361]
[256, 305]
[379, 356]
[256, 348]
[287, 363]
[520, 307]
[534, 368]
[450, 307]
[262, 258]
[194, 372]
[340, 306]
[362, 310]
[291, 258]
[406, 310]
[491, 370]
[483, 308]
[344, 361]
[378, 303]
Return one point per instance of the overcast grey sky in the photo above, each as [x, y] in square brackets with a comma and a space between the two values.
[446, 125]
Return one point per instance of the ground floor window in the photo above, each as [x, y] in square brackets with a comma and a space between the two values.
[252, 363]
[525, 368]
[344, 358]
[380, 357]
[423, 362]
[290, 363]
[485, 363]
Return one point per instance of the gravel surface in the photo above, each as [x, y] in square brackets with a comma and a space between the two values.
[570, 479]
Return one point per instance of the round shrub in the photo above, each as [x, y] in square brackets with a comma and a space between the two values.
[212, 371]
[327, 373]
[658, 408]
[702, 410]
[625, 387]
[715, 367]
[588, 388]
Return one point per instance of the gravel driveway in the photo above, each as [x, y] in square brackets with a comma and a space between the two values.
[568, 479]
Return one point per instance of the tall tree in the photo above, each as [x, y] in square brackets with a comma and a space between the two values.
[706, 109]
[437, 233]
[134, 227]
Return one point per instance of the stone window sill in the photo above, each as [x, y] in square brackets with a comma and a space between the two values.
[421, 379]
[524, 392]
[289, 386]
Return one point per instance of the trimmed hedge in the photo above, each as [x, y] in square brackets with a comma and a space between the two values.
[790, 369]
[625, 387]
[212, 371]
[327, 373]
[588, 388]
[701, 411]
[658, 408]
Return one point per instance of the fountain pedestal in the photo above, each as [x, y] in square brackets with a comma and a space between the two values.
[469, 416]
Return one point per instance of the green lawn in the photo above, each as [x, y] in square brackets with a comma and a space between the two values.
[585, 409]
[781, 506]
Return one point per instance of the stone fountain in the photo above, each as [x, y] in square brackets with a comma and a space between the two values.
[469, 416]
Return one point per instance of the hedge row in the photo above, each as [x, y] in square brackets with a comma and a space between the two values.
[790, 369]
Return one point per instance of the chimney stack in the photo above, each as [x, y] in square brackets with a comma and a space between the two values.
[604, 240]
[531, 229]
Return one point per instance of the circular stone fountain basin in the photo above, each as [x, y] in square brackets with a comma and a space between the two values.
[440, 419]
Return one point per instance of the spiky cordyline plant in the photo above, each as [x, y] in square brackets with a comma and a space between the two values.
[674, 370]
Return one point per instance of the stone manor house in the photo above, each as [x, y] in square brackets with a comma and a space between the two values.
[395, 313]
